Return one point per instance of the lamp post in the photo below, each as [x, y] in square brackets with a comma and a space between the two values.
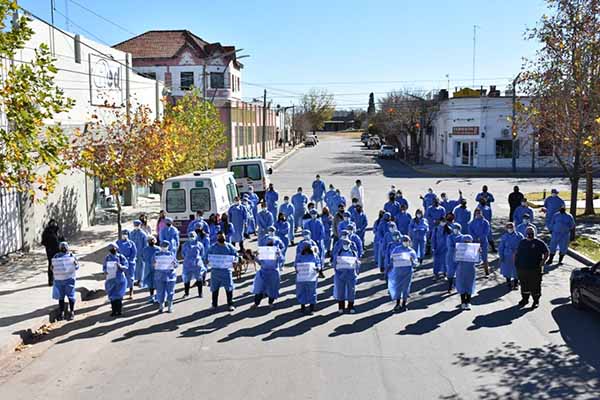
[514, 123]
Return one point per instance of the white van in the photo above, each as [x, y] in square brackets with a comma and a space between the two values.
[251, 172]
[211, 192]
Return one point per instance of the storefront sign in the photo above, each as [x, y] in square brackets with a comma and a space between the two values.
[465, 131]
[106, 82]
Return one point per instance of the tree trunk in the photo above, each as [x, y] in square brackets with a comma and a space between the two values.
[574, 191]
[589, 192]
[119, 210]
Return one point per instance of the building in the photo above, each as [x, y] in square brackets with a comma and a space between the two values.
[474, 129]
[341, 121]
[97, 78]
[184, 61]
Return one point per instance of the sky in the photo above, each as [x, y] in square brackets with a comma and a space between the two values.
[347, 47]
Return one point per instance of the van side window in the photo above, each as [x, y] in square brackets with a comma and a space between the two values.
[238, 171]
[200, 199]
[231, 192]
[175, 201]
[253, 172]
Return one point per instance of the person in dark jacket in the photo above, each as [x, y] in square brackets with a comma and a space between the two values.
[529, 260]
[51, 238]
[514, 201]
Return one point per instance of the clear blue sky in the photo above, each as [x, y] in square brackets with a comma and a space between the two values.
[348, 47]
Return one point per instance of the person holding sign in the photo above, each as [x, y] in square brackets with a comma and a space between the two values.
[165, 276]
[467, 257]
[346, 266]
[193, 264]
[479, 231]
[307, 271]
[128, 250]
[221, 257]
[267, 280]
[401, 261]
[417, 230]
[439, 248]
[64, 267]
[451, 265]
[509, 242]
[115, 266]
[148, 256]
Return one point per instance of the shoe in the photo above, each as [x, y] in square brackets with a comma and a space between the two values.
[161, 309]
[71, 316]
[523, 303]
[397, 308]
[462, 306]
[170, 309]
[272, 306]
[535, 304]
[254, 306]
[151, 300]
[214, 308]
[340, 311]
[185, 296]
[231, 308]
[403, 308]
[352, 311]
[467, 306]
[321, 275]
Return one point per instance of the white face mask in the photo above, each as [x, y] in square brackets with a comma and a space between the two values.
[286, 201]
[306, 237]
[124, 237]
[524, 204]
[164, 249]
[554, 194]
[405, 243]
[442, 224]
[346, 247]
[510, 230]
[392, 229]
[346, 218]
[456, 231]
[419, 215]
[526, 220]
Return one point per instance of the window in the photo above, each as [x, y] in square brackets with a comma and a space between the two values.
[149, 75]
[186, 80]
[232, 82]
[253, 172]
[504, 148]
[231, 192]
[200, 199]
[238, 171]
[217, 80]
[176, 201]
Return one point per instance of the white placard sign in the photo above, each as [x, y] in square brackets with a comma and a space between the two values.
[467, 252]
[111, 269]
[221, 261]
[402, 260]
[164, 263]
[64, 267]
[307, 272]
[267, 253]
[345, 262]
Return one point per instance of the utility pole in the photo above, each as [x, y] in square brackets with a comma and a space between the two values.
[204, 79]
[264, 127]
[514, 123]
[474, 50]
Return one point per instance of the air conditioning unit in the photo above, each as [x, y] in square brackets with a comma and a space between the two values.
[505, 132]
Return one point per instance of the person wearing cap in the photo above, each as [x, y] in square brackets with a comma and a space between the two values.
[331, 198]
[529, 260]
[171, 235]
[479, 231]
[433, 214]
[140, 239]
[403, 220]
[522, 227]
[221, 275]
[308, 242]
[400, 262]
[515, 199]
[509, 242]
[318, 195]
[267, 279]
[465, 278]
[193, 264]
[486, 211]
[562, 226]
[264, 220]
[346, 266]
[196, 222]
[451, 264]
[282, 231]
[520, 211]
[128, 250]
[439, 248]
[165, 276]
[428, 198]
[392, 206]
[462, 216]
[64, 268]
[344, 223]
[358, 192]
[299, 201]
[359, 218]
[238, 216]
[417, 231]
[148, 258]
[306, 266]
[450, 205]
[271, 198]
[327, 221]
[115, 267]
[355, 239]
[484, 194]
[317, 231]
[250, 227]
[551, 206]
[385, 242]
[288, 210]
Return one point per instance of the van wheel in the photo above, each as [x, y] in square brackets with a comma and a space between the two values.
[576, 299]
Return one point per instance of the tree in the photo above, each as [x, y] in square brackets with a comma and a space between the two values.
[199, 134]
[317, 106]
[30, 150]
[563, 81]
[371, 109]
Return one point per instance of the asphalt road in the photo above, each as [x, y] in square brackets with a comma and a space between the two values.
[431, 351]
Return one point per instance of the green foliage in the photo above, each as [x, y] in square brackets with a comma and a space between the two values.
[317, 107]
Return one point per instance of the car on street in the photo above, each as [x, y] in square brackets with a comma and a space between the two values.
[364, 138]
[387, 151]
[374, 142]
[585, 287]
[310, 141]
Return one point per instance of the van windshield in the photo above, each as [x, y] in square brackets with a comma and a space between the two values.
[250, 171]
[175, 201]
[200, 199]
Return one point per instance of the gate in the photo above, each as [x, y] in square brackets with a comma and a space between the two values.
[11, 238]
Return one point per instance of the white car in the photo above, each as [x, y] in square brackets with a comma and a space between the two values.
[387, 151]
[251, 172]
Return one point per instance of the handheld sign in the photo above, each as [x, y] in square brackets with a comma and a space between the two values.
[267, 253]
[221, 261]
[467, 252]
[111, 269]
[64, 267]
[402, 260]
[345, 262]
[307, 272]
[165, 263]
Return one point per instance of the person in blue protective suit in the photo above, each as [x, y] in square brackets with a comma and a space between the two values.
[264, 220]
[433, 214]
[356, 240]
[165, 276]
[346, 236]
[376, 233]
[344, 223]
[347, 266]
[340, 200]
[385, 242]
[254, 201]
[288, 211]
[238, 216]
[450, 205]
[462, 216]
[331, 198]
[509, 243]
[451, 240]
[299, 201]
[307, 268]
[439, 247]
[403, 220]
[250, 227]
[140, 239]
[115, 267]
[221, 257]
[428, 198]
[282, 230]
[399, 271]
[417, 231]
[361, 222]
[486, 211]
[465, 278]
[64, 268]
[521, 211]
[148, 256]
[127, 249]
[352, 208]
[170, 234]
[318, 194]
[522, 227]
[392, 206]
[227, 228]
[213, 228]
[193, 264]
[562, 226]
[327, 221]
[203, 238]
[401, 199]
[272, 199]
[479, 231]
[317, 231]
[267, 279]
[197, 221]
[308, 242]
[551, 206]
[484, 194]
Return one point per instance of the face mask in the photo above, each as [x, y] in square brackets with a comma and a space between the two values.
[313, 216]
[442, 223]
[405, 243]
[221, 240]
[306, 237]
[286, 201]
[530, 235]
[478, 216]
[526, 220]
[346, 219]
[346, 247]
[430, 191]
[456, 231]
[164, 249]
[392, 230]
[524, 204]
[419, 215]
[282, 219]
[554, 194]
[124, 237]
[510, 230]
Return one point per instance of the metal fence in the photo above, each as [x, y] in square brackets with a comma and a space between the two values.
[11, 236]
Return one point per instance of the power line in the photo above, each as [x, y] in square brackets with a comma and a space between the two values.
[378, 82]
[81, 28]
[102, 17]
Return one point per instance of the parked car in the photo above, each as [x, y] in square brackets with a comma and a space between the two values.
[314, 137]
[251, 172]
[364, 138]
[585, 287]
[310, 141]
[387, 151]
[374, 142]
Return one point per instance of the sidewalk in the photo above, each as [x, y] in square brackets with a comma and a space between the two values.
[430, 168]
[277, 156]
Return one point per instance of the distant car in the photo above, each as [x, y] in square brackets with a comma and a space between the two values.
[585, 287]
[374, 143]
[387, 151]
[315, 137]
[310, 141]
[364, 138]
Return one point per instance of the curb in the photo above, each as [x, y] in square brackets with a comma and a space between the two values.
[479, 173]
[278, 162]
[580, 257]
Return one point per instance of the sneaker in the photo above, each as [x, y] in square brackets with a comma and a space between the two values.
[352, 311]
[170, 309]
[340, 311]
[467, 306]
[161, 309]
[462, 306]
[231, 308]
[523, 303]
[397, 308]
[535, 304]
